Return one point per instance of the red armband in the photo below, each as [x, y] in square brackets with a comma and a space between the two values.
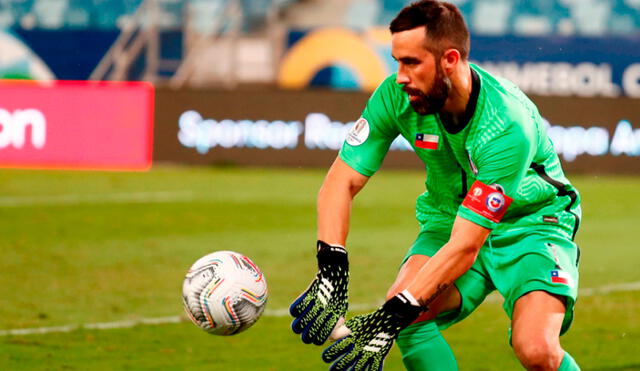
[487, 201]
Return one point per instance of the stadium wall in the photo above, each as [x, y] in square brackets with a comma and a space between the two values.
[307, 128]
[341, 58]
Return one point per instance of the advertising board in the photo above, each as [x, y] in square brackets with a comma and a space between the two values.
[76, 125]
[307, 128]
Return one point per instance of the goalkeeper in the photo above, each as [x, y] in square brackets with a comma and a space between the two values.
[497, 213]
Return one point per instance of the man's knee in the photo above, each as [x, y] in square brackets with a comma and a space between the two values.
[538, 353]
[537, 319]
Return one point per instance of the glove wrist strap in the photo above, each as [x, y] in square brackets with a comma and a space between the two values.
[402, 310]
[331, 254]
[410, 297]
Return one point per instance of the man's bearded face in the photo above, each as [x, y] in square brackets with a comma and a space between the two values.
[432, 101]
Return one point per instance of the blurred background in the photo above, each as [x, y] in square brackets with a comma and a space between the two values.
[217, 120]
[241, 81]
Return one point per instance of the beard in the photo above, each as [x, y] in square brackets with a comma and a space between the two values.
[433, 100]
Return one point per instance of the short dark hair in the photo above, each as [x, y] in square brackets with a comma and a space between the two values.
[444, 23]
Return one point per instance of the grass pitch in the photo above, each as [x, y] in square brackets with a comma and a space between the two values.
[83, 247]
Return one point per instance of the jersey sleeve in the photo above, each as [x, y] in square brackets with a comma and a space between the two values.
[368, 141]
[501, 162]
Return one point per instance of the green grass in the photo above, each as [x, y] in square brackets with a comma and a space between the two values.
[85, 247]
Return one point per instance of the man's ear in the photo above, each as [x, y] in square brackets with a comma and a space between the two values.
[449, 60]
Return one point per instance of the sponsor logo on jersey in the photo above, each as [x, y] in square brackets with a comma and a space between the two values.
[550, 219]
[359, 132]
[560, 276]
[487, 201]
[426, 141]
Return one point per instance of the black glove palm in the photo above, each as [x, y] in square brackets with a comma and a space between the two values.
[320, 307]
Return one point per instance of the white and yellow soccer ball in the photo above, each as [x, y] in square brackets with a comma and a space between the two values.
[224, 293]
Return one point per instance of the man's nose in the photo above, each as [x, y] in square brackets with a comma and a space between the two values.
[402, 79]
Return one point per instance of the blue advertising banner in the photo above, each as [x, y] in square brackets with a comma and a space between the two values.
[587, 67]
[342, 58]
[52, 54]
[69, 54]
[557, 66]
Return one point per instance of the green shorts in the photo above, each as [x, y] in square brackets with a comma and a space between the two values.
[513, 264]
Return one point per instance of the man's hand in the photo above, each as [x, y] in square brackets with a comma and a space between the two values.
[319, 308]
[372, 336]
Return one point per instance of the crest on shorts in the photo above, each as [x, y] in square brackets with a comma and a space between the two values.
[560, 276]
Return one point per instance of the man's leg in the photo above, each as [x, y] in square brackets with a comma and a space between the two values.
[424, 348]
[421, 344]
[536, 323]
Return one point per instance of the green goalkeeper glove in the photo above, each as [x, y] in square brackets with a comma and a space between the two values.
[320, 307]
[372, 335]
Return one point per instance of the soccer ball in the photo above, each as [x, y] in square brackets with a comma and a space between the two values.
[224, 293]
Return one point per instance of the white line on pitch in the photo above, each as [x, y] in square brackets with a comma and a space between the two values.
[75, 199]
[630, 286]
[281, 312]
[93, 326]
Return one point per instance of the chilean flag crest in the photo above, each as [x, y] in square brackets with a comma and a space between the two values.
[427, 141]
[558, 276]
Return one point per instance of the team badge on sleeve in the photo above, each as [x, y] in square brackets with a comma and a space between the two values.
[488, 201]
[359, 132]
[495, 201]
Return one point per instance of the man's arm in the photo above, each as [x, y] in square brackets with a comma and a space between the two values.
[450, 262]
[367, 339]
[339, 188]
[324, 304]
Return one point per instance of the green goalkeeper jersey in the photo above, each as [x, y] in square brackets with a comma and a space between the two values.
[499, 170]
